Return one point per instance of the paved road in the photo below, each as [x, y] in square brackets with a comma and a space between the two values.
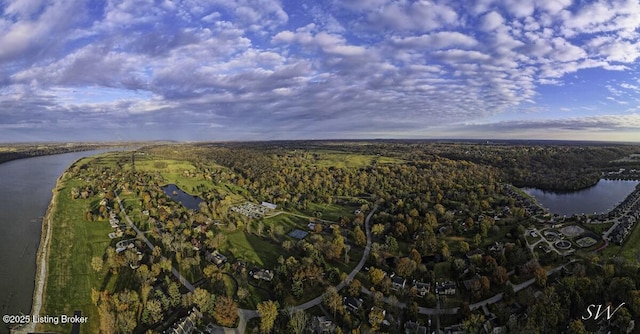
[482, 303]
[141, 235]
[354, 272]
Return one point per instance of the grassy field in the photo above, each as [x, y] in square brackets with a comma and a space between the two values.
[339, 159]
[330, 211]
[70, 276]
[179, 172]
[253, 249]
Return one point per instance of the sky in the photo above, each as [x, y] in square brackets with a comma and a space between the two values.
[296, 69]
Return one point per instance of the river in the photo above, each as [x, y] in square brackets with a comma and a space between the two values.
[601, 198]
[25, 192]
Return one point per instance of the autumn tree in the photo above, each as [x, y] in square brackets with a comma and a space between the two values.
[540, 276]
[354, 287]
[406, 266]
[96, 263]
[225, 311]
[376, 316]
[500, 275]
[376, 275]
[203, 300]
[332, 299]
[359, 237]
[298, 321]
[268, 312]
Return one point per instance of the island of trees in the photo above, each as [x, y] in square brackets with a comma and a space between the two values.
[334, 237]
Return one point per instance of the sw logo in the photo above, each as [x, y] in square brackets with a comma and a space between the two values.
[600, 311]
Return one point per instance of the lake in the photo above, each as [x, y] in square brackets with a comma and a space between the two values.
[187, 200]
[601, 198]
[26, 186]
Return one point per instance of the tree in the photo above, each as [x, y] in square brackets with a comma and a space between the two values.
[463, 246]
[473, 323]
[226, 311]
[359, 238]
[622, 320]
[354, 287]
[96, 263]
[500, 275]
[153, 310]
[333, 300]
[485, 285]
[444, 249]
[541, 276]
[203, 299]
[377, 229]
[268, 312]
[174, 294]
[577, 327]
[376, 316]
[405, 266]
[298, 321]
[376, 275]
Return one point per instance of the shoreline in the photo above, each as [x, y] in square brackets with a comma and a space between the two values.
[42, 261]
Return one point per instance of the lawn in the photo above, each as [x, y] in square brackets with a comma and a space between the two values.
[73, 243]
[331, 211]
[326, 158]
[288, 222]
[253, 249]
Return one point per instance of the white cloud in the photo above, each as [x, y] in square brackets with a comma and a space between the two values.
[492, 21]
[438, 40]
[311, 67]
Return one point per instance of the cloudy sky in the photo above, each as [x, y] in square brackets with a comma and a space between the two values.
[298, 69]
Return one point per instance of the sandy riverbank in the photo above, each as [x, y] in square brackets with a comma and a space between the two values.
[42, 262]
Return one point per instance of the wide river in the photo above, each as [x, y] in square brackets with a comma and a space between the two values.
[601, 198]
[25, 193]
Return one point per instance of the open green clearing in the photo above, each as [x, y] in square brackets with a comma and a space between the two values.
[337, 159]
[73, 243]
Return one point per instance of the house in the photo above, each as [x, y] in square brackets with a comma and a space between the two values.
[352, 303]
[411, 327]
[117, 234]
[322, 325]
[186, 324]
[445, 288]
[421, 288]
[398, 282]
[262, 274]
[114, 222]
[216, 258]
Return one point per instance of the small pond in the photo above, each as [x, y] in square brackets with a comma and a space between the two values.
[187, 200]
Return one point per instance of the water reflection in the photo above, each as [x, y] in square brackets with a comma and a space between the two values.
[187, 200]
[601, 198]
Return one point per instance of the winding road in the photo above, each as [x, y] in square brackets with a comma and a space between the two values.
[141, 235]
